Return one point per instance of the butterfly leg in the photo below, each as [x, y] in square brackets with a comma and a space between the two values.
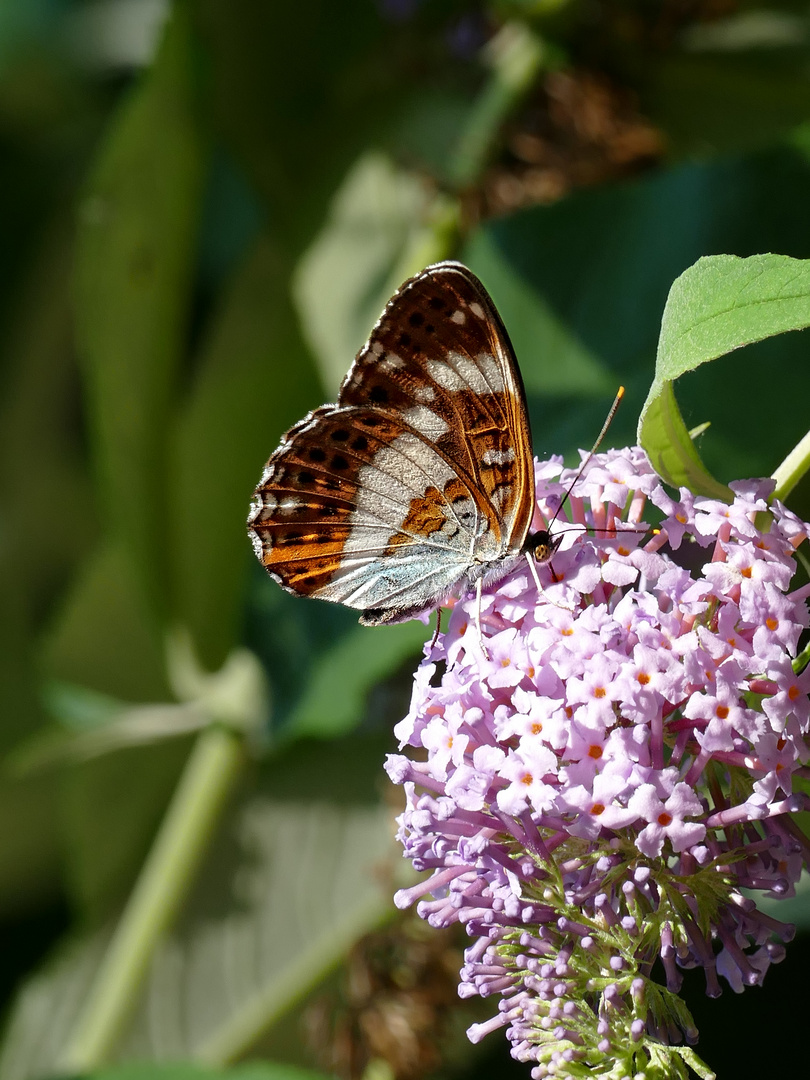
[478, 587]
[540, 590]
[438, 630]
[533, 568]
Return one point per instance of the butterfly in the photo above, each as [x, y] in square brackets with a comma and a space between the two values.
[418, 485]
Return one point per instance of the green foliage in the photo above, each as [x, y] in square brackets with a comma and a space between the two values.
[718, 305]
[192, 254]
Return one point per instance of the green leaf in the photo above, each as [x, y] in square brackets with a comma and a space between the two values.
[31, 859]
[662, 432]
[536, 330]
[255, 1070]
[104, 636]
[255, 378]
[40, 452]
[321, 664]
[303, 866]
[344, 279]
[334, 697]
[724, 302]
[718, 305]
[134, 273]
[111, 807]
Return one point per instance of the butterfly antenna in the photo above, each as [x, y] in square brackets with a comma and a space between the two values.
[594, 448]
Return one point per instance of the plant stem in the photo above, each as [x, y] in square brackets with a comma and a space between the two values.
[792, 469]
[170, 867]
[518, 56]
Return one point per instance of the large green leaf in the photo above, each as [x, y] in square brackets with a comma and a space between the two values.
[302, 867]
[256, 1070]
[718, 305]
[254, 379]
[134, 273]
[42, 474]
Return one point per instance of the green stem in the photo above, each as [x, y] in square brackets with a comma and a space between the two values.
[792, 469]
[518, 56]
[170, 867]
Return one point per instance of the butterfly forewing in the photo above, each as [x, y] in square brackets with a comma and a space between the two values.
[440, 357]
[420, 478]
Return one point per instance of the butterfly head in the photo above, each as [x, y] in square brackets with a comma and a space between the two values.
[542, 545]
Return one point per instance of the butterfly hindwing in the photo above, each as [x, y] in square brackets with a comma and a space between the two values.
[420, 477]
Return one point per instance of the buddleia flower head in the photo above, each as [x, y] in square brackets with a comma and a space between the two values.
[610, 781]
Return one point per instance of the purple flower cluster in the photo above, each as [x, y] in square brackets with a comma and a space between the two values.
[595, 787]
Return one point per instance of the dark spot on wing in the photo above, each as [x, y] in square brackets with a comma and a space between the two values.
[340, 435]
[416, 318]
[404, 340]
[304, 478]
[317, 454]
[378, 394]
[339, 462]
[360, 443]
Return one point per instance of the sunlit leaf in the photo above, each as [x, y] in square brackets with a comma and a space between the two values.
[345, 278]
[718, 305]
[301, 869]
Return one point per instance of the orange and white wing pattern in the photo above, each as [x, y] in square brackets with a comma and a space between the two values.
[420, 479]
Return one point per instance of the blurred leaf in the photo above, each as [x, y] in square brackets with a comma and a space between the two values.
[322, 665]
[111, 807]
[40, 452]
[298, 115]
[718, 305]
[301, 869]
[104, 637]
[255, 1070]
[122, 728]
[135, 260]
[344, 279]
[602, 262]
[255, 378]
[334, 696]
[536, 331]
[30, 855]
[728, 102]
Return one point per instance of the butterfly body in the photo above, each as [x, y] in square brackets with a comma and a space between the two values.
[418, 483]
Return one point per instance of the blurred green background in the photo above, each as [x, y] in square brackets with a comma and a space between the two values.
[205, 207]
